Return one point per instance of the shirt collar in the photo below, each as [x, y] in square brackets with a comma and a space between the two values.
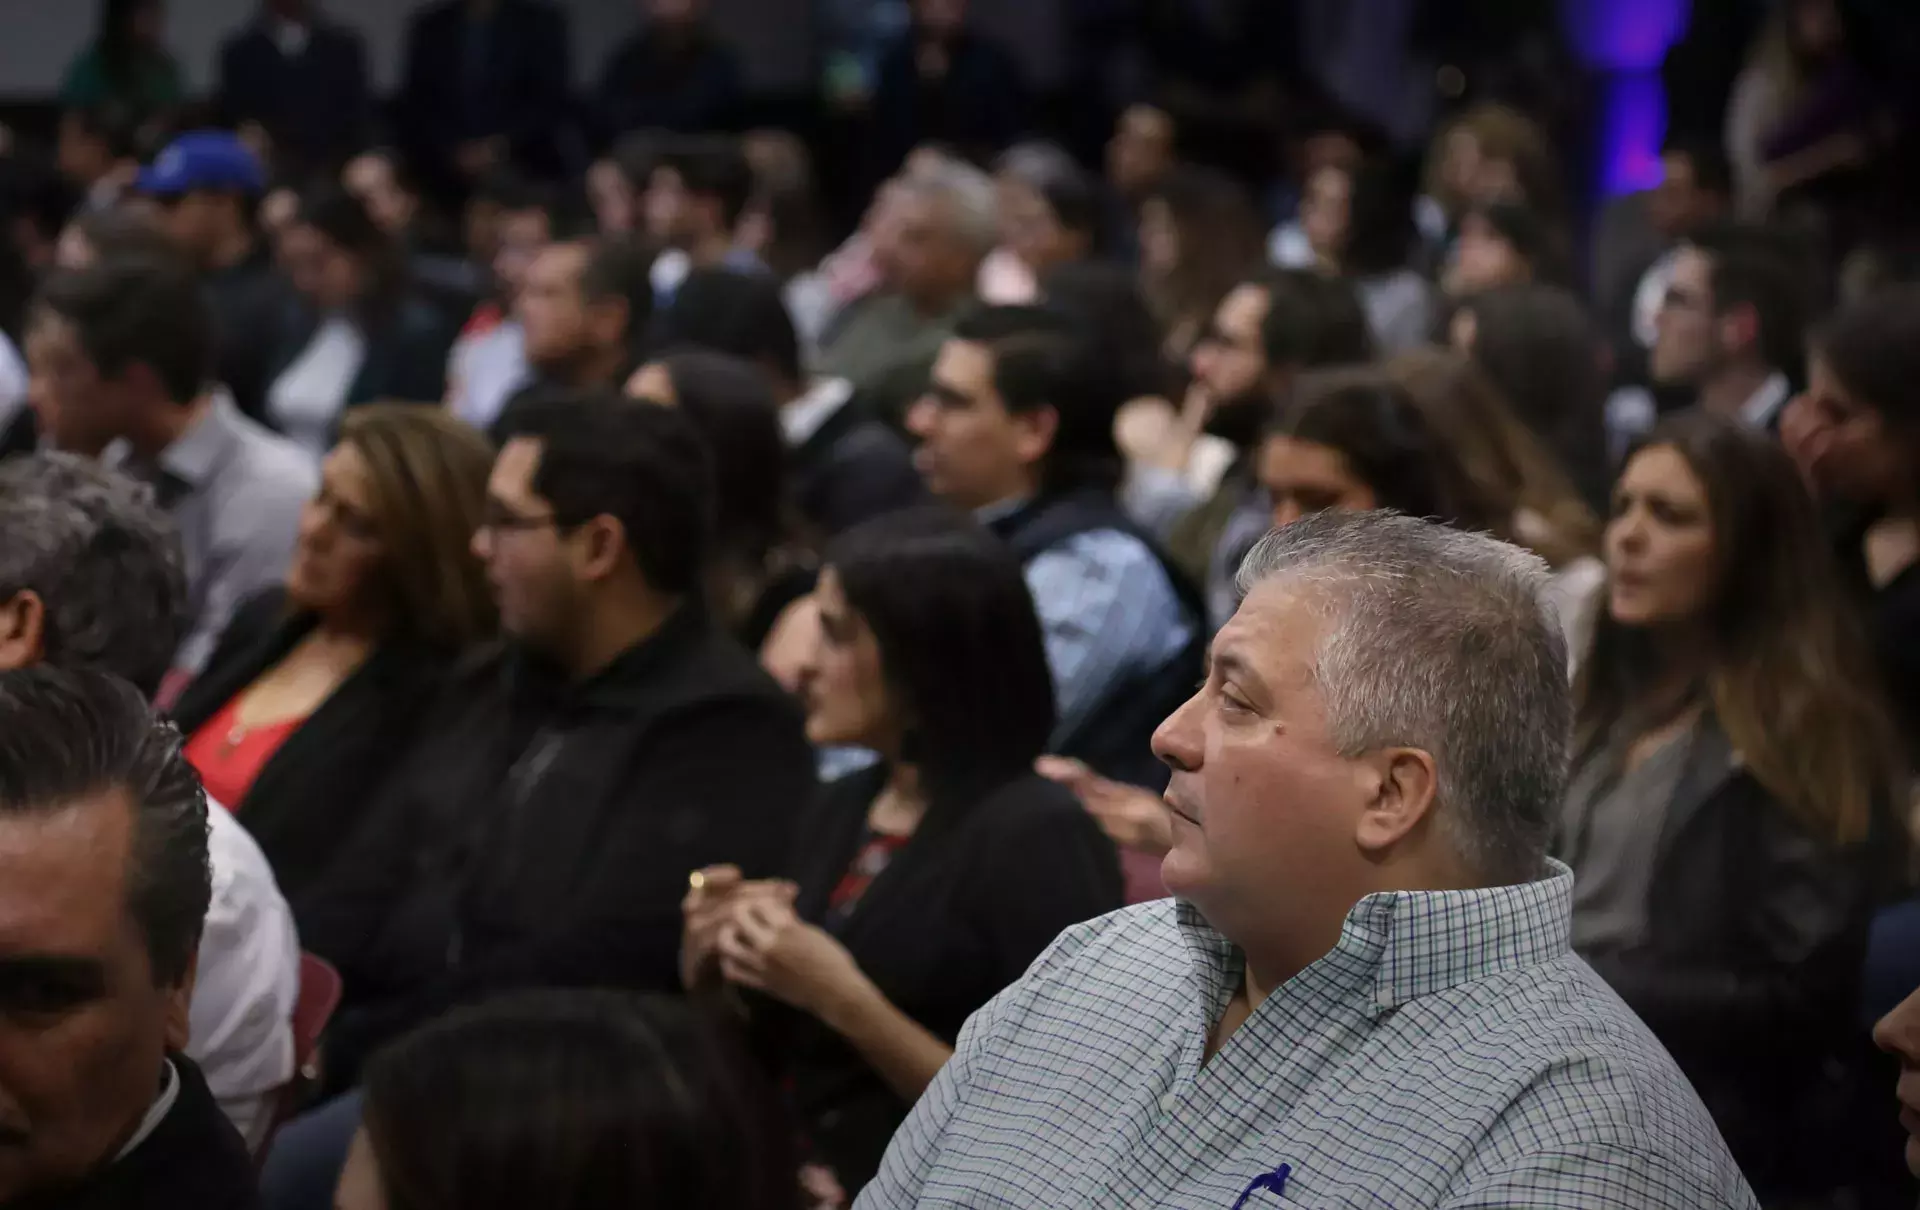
[197, 453]
[1000, 511]
[1402, 945]
[804, 417]
[156, 1112]
[1764, 404]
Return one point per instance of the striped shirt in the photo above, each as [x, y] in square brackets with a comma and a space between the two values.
[1450, 1051]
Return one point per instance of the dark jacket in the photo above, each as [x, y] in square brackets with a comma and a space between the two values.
[656, 83]
[852, 469]
[315, 105]
[540, 833]
[1750, 969]
[979, 106]
[520, 91]
[315, 793]
[21, 435]
[193, 1160]
[958, 914]
[251, 304]
[406, 357]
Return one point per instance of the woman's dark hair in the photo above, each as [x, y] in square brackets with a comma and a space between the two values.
[732, 405]
[344, 221]
[576, 1100]
[1543, 353]
[1788, 674]
[1048, 170]
[1381, 235]
[1368, 418]
[1535, 240]
[960, 646]
[1873, 347]
[1105, 298]
[1220, 239]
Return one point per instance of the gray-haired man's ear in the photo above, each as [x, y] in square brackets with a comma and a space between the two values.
[23, 628]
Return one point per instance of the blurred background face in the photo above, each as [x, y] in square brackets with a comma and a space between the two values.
[1230, 362]
[1304, 477]
[147, 23]
[1848, 449]
[841, 682]
[1483, 259]
[524, 234]
[917, 251]
[550, 306]
[1326, 212]
[612, 199]
[371, 179]
[669, 208]
[1159, 240]
[80, 157]
[193, 221]
[972, 452]
[1660, 543]
[1686, 348]
[671, 12]
[78, 409]
[336, 562]
[525, 554]
[1815, 28]
[1678, 205]
[324, 273]
[940, 18]
[1141, 149]
[1031, 230]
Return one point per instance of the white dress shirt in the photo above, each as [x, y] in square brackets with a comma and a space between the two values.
[249, 979]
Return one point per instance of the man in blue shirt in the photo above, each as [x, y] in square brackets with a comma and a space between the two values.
[1017, 425]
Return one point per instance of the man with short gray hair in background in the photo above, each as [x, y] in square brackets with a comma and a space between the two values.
[1363, 994]
[935, 225]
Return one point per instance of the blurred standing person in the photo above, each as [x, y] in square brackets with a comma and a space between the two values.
[939, 224]
[676, 72]
[318, 686]
[484, 87]
[127, 69]
[300, 79]
[1199, 236]
[942, 81]
[1728, 815]
[122, 363]
[207, 186]
[1801, 109]
[362, 333]
[923, 885]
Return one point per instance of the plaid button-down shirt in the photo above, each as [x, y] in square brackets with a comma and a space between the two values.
[1450, 1051]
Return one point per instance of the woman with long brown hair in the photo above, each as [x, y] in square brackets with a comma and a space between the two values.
[1531, 500]
[1199, 237]
[316, 686]
[1732, 769]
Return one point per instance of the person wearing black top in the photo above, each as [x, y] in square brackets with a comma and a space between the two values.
[923, 886]
[104, 885]
[541, 829]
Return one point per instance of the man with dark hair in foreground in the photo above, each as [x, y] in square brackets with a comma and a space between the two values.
[103, 886]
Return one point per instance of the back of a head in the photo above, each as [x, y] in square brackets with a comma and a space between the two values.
[1044, 357]
[68, 734]
[1435, 639]
[1105, 299]
[1541, 349]
[1873, 348]
[1048, 170]
[712, 166]
[343, 218]
[1313, 322]
[959, 641]
[102, 560]
[1366, 417]
[575, 1098]
[138, 310]
[427, 476]
[1754, 268]
[733, 408]
[740, 314]
[645, 466]
[968, 207]
[619, 269]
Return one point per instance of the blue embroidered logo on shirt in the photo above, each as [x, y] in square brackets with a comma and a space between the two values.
[1274, 1182]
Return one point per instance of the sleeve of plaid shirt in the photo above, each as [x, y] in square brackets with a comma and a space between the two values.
[1106, 609]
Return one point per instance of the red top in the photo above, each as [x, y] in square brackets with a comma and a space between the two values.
[228, 756]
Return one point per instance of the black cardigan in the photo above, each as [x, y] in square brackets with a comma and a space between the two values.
[315, 792]
[960, 913]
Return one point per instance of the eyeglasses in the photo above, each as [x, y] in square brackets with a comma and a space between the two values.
[500, 519]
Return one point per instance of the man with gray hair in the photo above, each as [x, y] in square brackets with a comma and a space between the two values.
[1363, 994]
[91, 577]
[934, 227]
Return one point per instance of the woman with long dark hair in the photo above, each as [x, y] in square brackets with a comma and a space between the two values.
[589, 1100]
[1199, 235]
[926, 884]
[361, 332]
[1727, 815]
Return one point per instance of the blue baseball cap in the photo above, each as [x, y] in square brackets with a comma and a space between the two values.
[203, 159]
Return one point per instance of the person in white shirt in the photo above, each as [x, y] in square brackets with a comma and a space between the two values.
[62, 603]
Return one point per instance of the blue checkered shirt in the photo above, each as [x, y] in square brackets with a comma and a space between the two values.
[1450, 1051]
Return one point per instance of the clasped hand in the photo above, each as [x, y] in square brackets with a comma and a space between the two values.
[749, 934]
